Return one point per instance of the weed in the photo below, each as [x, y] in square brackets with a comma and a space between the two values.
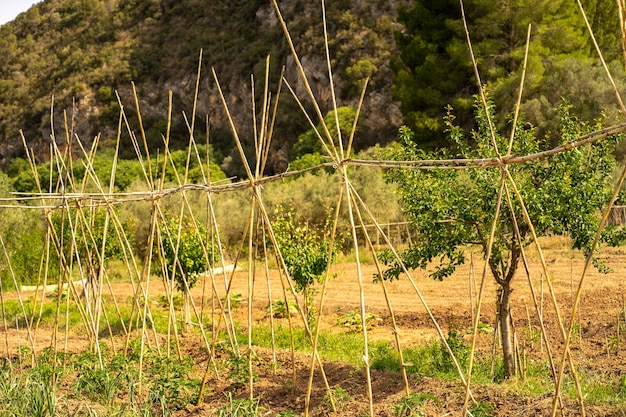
[239, 372]
[340, 396]
[352, 320]
[279, 309]
[621, 387]
[575, 332]
[287, 413]
[612, 342]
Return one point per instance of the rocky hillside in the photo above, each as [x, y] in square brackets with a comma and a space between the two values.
[76, 54]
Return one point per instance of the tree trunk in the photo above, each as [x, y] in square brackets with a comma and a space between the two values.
[506, 330]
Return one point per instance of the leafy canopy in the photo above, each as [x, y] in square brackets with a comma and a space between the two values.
[304, 250]
[433, 66]
[184, 250]
[309, 142]
[453, 208]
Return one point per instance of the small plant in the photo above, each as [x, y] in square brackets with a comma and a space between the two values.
[306, 252]
[352, 320]
[341, 398]
[410, 405]
[177, 301]
[170, 381]
[532, 335]
[235, 299]
[482, 328]
[575, 332]
[236, 407]
[279, 308]
[238, 374]
[612, 343]
[98, 385]
[186, 256]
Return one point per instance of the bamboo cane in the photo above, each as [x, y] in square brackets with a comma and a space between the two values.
[419, 294]
[270, 303]
[307, 402]
[480, 295]
[263, 211]
[327, 141]
[394, 325]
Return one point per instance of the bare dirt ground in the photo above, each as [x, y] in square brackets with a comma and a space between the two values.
[452, 306]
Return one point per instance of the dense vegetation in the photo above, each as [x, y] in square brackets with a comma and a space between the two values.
[84, 51]
[81, 52]
[433, 67]
[451, 209]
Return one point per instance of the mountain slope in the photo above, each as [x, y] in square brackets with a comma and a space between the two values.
[83, 51]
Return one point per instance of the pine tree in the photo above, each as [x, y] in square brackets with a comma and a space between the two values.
[433, 68]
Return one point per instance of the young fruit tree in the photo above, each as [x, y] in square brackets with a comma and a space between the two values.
[451, 209]
[186, 255]
[305, 251]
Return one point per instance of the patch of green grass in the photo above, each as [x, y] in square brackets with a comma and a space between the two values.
[346, 347]
[384, 357]
[598, 389]
[46, 312]
[430, 360]
[538, 380]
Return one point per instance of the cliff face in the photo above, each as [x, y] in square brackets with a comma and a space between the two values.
[86, 52]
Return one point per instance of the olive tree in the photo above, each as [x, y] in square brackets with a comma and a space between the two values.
[450, 209]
